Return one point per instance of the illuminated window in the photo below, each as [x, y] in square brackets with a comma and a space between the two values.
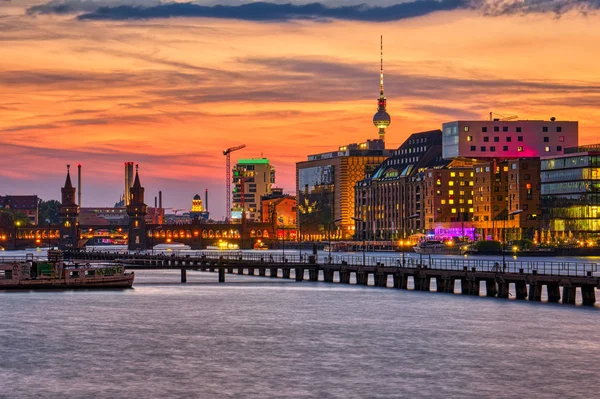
[461, 174]
[451, 202]
[451, 183]
[505, 168]
[471, 210]
[466, 128]
[547, 149]
[470, 202]
[471, 183]
[450, 192]
[519, 148]
[469, 138]
[453, 210]
[443, 202]
[452, 174]
[471, 174]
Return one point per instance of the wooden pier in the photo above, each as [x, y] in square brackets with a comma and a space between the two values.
[561, 280]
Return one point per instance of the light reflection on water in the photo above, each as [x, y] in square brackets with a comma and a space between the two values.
[271, 338]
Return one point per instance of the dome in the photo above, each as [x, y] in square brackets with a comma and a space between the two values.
[382, 119]
[197, 197]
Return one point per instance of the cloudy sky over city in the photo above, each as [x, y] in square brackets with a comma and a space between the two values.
[170, 84]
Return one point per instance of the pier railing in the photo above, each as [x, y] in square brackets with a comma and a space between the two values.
[550, 268]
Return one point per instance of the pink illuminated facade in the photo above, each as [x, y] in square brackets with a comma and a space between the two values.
[507, 139]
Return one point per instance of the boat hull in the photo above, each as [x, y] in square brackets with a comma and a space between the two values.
[117, 282]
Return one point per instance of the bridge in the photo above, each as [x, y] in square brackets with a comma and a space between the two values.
[527, 279]
[138, 234]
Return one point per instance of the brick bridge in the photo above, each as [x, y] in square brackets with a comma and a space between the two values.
[137, 234]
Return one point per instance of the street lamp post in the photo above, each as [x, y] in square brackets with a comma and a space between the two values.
[283, 227]
[416, 215]
[329, 247]
[515, 212]
[364, 234]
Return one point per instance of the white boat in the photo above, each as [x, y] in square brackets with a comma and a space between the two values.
[436, 247]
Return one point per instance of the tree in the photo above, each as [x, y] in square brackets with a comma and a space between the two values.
[48, 210]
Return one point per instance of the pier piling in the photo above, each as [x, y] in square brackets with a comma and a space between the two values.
[183, 276]
[221, 275]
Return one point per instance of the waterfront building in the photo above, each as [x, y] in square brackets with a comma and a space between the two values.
[279, 208]
[505, 139]
[389, 200]
[570, 194]
[448, 199]
[26, 204]
[507, 202]
[252, 178]
[325, 186]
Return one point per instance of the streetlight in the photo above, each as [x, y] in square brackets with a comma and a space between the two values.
[283, 226]
[330, 222]
[48, 233]
[416, 215]
[515, 212]
[364, 247]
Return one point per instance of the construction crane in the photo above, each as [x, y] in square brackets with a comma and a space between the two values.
[227, 154]
[501, 117]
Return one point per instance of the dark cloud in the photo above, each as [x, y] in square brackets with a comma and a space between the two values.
[263, 11]
[256, 11]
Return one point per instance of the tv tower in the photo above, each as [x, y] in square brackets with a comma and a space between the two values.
[381, 119]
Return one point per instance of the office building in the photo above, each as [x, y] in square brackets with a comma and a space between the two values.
[326, 184]
[570, 194]
[508, 139]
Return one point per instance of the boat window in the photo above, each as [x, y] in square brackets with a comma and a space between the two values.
[90, 273]
[74, 274]
[5, 274]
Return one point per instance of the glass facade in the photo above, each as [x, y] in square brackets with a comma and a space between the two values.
[450, 140]
[316, 187]
[571, 194]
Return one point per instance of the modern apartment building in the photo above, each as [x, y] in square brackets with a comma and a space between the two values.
[252, 179]
[508, 139]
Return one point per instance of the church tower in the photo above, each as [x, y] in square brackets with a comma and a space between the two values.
[68, 213]
[137, 210]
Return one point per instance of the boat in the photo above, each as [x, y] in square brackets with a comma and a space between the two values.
[436, 247]
[54, 273]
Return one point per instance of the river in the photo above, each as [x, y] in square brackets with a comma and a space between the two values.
[257, 337]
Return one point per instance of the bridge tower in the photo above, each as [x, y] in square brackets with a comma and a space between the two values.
[137, 210]
[68, 213]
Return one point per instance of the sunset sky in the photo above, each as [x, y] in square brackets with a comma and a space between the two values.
[169, 86]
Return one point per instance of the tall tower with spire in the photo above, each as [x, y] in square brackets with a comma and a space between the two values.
[381, 119]
[68, 213]
[137, 210]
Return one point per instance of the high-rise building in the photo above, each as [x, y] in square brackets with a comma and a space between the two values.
[252, 178]
[508, 139]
